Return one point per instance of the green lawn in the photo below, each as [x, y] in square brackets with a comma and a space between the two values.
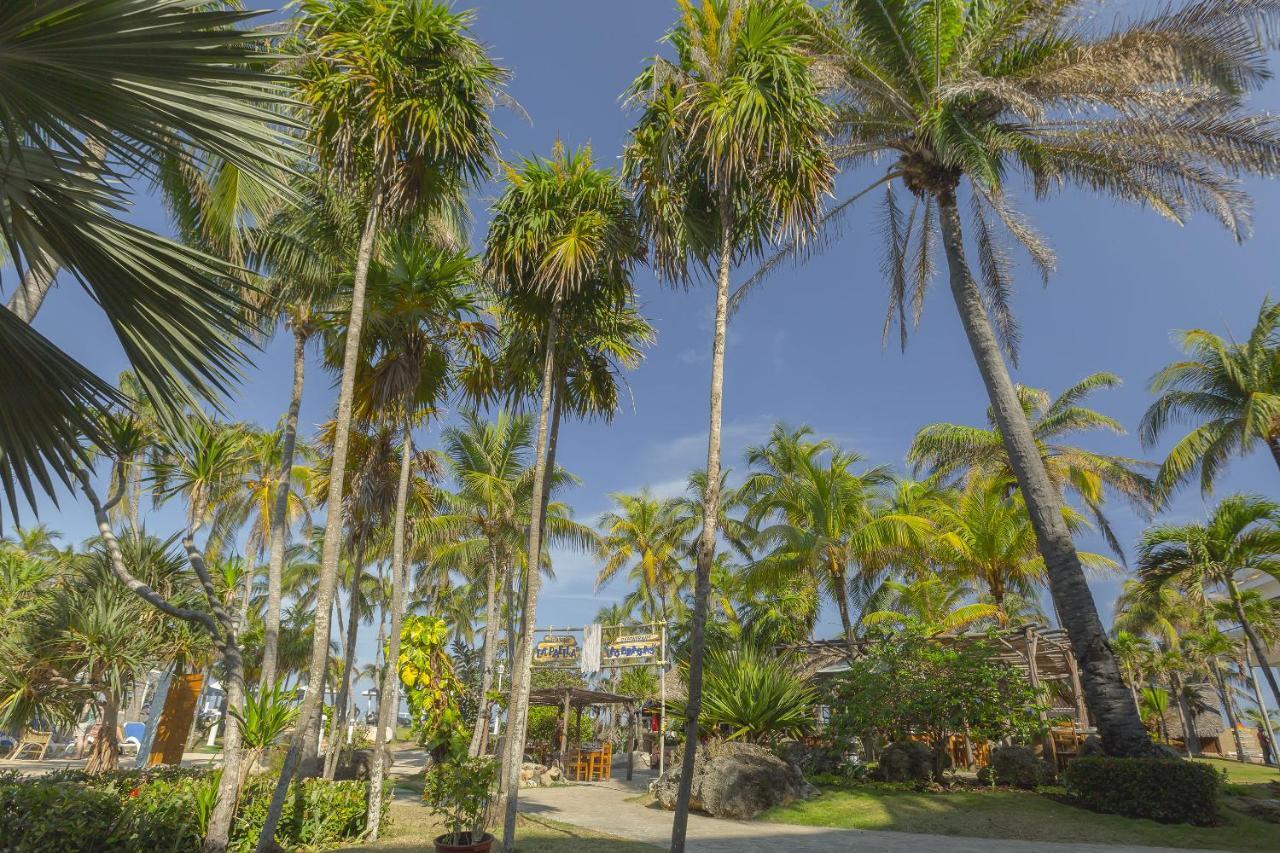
[1013, 814]
[1243, 774]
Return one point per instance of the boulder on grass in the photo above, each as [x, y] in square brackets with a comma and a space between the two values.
[736, 780]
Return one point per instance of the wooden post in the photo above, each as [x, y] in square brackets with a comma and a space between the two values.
[1032, 640]
[1082, 712]
[632, 745]
[564, 728]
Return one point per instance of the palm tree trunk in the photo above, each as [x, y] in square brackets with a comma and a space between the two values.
[1228, 706]
[707, 538]
[1247, 670]
[518, 702]
[1109, 704]
[1259, 650]
[389, 693]
[279, 514]
[1184, 713]
[305, 736]
[38, 279]
[490, 651]
[846, 623]
[337, 732]
[105, 754]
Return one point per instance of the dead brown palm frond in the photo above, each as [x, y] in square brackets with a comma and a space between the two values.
[997, 281]
[922, 265]
[1042, 255]
[896, 233]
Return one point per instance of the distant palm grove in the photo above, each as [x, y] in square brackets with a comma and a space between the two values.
[317, 171]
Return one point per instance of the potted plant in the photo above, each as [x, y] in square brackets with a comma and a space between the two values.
[460, 794]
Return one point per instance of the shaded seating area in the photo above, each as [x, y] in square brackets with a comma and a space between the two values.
[585, 761]
[1043, 655]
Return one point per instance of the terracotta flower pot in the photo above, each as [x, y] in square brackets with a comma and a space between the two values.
[481, 846]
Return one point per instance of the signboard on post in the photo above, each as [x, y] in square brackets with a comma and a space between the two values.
[562, 649]
[633, 648]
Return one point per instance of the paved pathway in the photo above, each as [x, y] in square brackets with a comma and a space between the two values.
[604, 807]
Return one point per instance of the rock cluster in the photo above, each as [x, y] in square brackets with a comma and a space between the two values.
[538, 775]
[736, 780]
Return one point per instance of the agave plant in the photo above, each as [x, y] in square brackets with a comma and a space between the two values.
[750, 697]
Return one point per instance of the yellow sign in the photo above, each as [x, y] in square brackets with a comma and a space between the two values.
[556, 650]
[633, 648]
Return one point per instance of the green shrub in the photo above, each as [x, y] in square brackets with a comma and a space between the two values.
[166, 809]
[1020, 767]
[315, 813]
[37, 815]
[1163, 789]
[907, 761]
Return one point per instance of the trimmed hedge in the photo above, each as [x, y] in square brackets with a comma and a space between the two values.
[1164, 789]
[166, 810]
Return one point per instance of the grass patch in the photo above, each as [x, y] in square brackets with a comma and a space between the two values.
[413, 828]
[1243, 774]
[1019, 815]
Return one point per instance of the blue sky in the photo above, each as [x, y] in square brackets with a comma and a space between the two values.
[808, 348]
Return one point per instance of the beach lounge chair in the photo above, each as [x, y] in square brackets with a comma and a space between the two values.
[132, 736]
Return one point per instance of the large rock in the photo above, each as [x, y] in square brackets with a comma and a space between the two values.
[736, 780]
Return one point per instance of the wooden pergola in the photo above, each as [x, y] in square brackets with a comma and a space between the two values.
[570, 698]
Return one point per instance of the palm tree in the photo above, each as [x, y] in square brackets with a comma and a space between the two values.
[1212, 646]
[644, 534]
[132, 83]
[563, 240]
[947, 449]
[928, 605]
[727, 153]
[958, 94]
[1230, 391]
[1133, 653]
[987, 537]
[827, 523]
[400, 97]
[1241, 535]
[426, 338]
[488, 462]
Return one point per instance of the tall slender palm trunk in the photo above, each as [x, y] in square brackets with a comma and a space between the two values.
[389, 692]
[1246, 670]
[279, 518]
[707, 538]
[846, 621]
[341, 708]
[306, 734]
[522, 660]
[1118, 721]
[1259, 650]
[490, 652]
[1228, 706]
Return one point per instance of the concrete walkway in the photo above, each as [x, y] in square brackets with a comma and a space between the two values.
[605, 807]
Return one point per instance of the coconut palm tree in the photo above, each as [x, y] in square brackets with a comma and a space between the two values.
[958, 97]
[644, 535]
[947, 450]
[562, 242]
[929, 606]
[1212, 646]
[727, 154]
[824, 521]
[1133, 653]
[426, 339]
[400, 96]
[488, 463]
[1242, 535]
[1228, 391]
[96, 92]
[987, 538]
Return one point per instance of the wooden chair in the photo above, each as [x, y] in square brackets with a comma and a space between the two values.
[602, 763]
[579, 765]
[1065, 745]
[40, 741]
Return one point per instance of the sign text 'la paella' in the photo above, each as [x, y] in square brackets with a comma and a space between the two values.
[559, 649]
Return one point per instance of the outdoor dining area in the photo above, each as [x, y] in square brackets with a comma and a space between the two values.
[579, 761]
